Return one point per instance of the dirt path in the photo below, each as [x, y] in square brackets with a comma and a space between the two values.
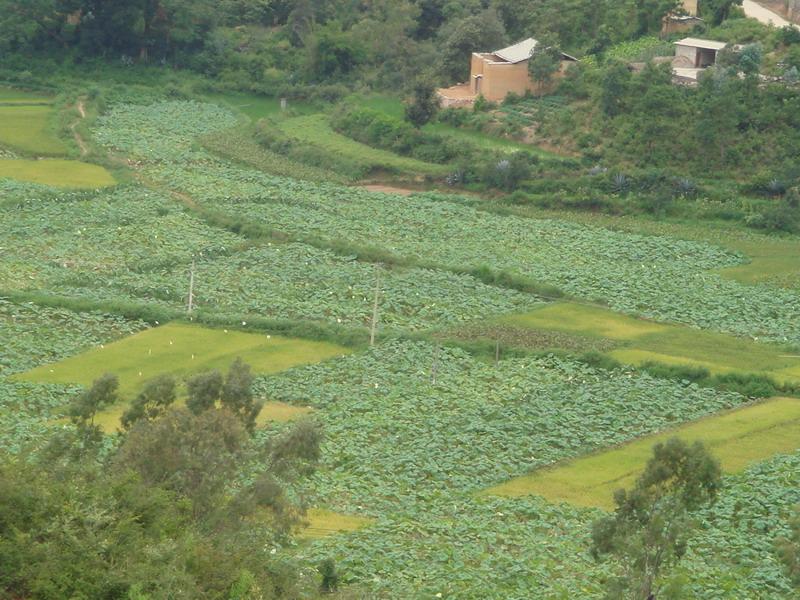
[74, 127]
[765, 15]
[387, 189]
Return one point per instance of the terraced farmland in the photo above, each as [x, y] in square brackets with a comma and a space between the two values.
[422, 422]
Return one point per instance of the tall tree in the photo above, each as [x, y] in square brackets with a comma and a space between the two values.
[650, 13]
[718, 111]
[717, 11]
[545, 61]
[652, 524]
[237, 394]
[152, 402]
[614, 88]
[424, 104]
[479, 33]
[83, 410]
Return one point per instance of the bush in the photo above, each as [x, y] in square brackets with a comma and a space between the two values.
[380, 130]
[507, 173]
[779, 217]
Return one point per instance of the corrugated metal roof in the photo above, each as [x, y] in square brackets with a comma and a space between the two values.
[704, 44]
[522, 51]
[518, 52]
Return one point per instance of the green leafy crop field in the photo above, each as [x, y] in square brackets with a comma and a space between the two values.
[415, 429]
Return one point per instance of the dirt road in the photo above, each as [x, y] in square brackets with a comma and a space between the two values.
[755, 11]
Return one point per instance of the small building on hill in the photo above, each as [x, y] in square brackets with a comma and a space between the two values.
[494, 75]
[692, 56]
[685, 19]
[696, 53]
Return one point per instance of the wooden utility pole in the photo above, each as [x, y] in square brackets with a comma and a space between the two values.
[191, 289]
[374, 326]
[496, 352]
[435, 366]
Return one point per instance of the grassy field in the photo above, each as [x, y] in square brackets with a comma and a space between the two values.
[28, 129]
[645, 341]
[322, 523]
[259, 107]
[67, 174]
[315, 130]
[16, 96]
[738, 439]
[181, 350]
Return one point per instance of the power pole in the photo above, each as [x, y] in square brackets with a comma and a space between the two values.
[435, 366]
[191, 289]
[374, 326]
[496, 352]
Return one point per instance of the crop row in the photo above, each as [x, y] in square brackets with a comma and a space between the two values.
[659, 277]
[133, 244]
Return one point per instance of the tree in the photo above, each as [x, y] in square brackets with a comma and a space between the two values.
[614, 88]
[330, 578]
[718, 111]
[650, 13]
[544, 62]
[656, 109]
[460, 38]
[192, 455]
[424, 105]
[717, 10]
[85, 407]
[651, 526]
[152, 402]
[789, 549]
[750, 58]
[234, 393]
[204, 391]
[237, 394]
[333, 52]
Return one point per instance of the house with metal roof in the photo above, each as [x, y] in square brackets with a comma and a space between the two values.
[496, 74]
[692, 56]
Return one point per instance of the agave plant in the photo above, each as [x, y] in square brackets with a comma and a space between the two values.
[685, 187]
[620, 183]
[776, 187]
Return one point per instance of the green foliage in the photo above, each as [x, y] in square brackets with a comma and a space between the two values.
[330, 578]
[652, 523]
[616, 80]
[718, 10]
[333, 52]
[545, 61]
[236, 394]
[156, 397]
[789, 550]
[582, 261]
[204, 391]
[482, 32]
[424, 105]
[101, 394]
[508, 173]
